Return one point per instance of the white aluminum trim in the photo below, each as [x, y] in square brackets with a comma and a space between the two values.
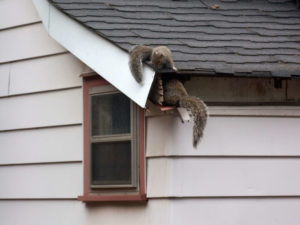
[184, 114]
[99, 54]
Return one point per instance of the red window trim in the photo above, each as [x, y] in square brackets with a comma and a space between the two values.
[88, 83]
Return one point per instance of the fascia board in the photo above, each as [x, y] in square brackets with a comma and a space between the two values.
[105, 58]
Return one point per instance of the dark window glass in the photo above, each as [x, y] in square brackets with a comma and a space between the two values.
[110, 114]
[111, 163]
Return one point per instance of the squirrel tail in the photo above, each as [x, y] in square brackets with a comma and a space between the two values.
[198, 110]
[138, 55]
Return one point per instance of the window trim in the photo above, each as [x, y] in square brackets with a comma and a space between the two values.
[107, 90]
[112, 193]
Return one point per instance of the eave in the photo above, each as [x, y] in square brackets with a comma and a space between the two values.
[102, 56]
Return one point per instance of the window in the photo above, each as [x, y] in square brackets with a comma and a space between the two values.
[113, 144]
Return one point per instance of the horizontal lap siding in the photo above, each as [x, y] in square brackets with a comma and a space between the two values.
[57, 144]
[42, 212]
[16, 13]
[41, 137]
[223, 177]
[67, 212]
[4, 79]
[26, 42]
[40, 110]
[277, 211]
[244, 153]
[41, 181]
[176, 212]
[226, 136]
[43, 74]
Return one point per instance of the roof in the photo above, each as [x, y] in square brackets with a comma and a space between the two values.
[251, 38]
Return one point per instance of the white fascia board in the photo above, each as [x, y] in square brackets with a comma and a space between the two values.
[105, 58]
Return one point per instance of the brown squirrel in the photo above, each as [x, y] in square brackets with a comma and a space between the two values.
[176, 95]
[159, 57]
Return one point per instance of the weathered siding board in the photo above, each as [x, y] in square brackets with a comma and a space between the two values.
[276, 211]
[247, 211]
[257, 111]
[225, 136]
[26, 42]
[77, 213]
[40, 110]
[16, 13]
[48, 73]
[40, 74]
[4, 79]
[152, 213]
[41, 181]
[225, 177]
[58, 144]
[42, 212]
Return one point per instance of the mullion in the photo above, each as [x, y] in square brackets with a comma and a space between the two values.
[111, 138]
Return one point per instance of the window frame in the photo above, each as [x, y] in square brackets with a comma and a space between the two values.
[134, 192]
[107, 90]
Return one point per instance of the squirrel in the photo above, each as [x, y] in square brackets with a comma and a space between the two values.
[176, 95]
[160, 57]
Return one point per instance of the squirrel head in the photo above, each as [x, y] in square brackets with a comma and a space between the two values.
[162, 58]
[158, 54]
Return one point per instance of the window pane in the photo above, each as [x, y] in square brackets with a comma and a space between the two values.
[110, 114]
[111, 163]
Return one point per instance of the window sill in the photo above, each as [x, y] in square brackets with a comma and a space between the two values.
[113, 198]
[158, 110]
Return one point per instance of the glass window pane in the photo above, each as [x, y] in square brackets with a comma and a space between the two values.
[111, 163]
[110, 114]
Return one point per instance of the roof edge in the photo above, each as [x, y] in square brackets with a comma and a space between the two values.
[102, 56]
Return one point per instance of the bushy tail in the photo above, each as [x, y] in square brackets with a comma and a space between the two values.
[138, 55]
[198, 110]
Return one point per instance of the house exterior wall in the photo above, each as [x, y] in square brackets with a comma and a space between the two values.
[244, 171]
[40, 116]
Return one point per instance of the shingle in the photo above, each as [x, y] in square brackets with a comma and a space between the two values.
[243, 38]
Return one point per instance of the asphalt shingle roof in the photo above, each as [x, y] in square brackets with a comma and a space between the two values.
[252, 38]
